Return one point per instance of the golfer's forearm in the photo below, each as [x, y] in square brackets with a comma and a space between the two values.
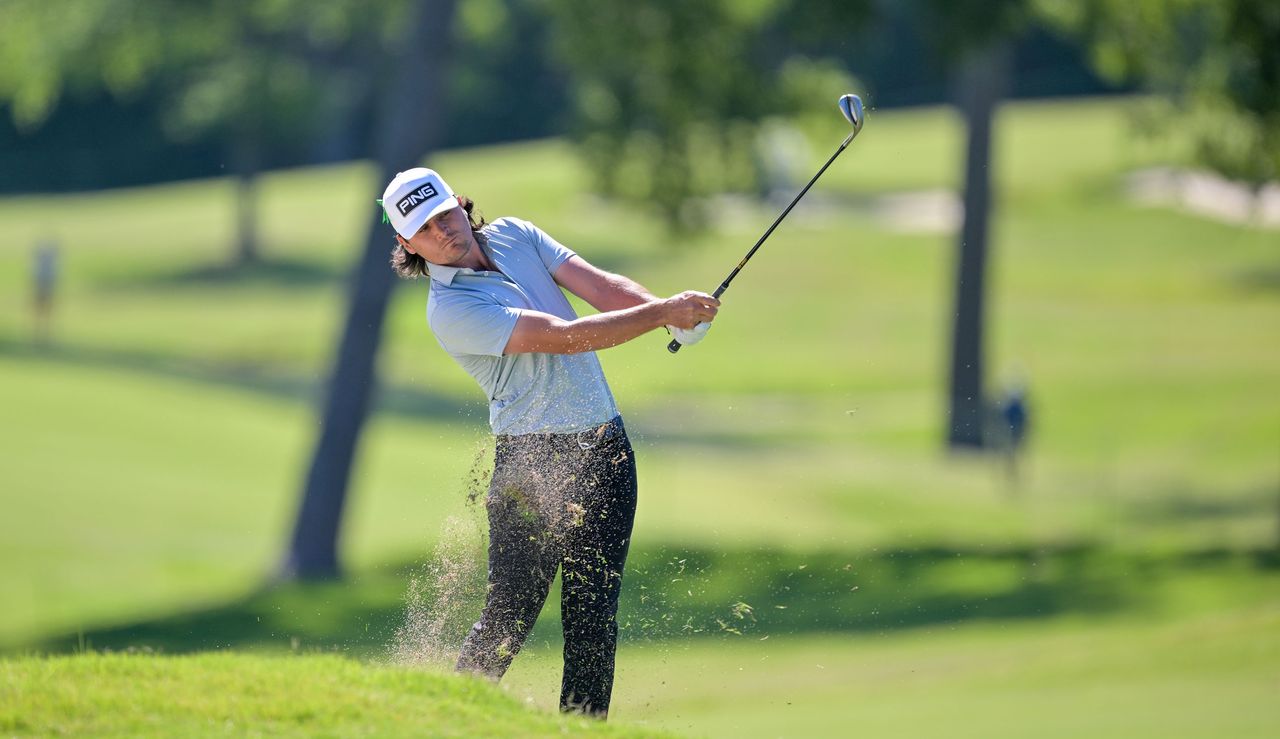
[622, 292]
[539, 332]
[604, 291]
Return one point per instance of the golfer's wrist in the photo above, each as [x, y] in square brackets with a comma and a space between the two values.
[665, 312]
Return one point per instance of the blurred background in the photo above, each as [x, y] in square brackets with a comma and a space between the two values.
[986, 440]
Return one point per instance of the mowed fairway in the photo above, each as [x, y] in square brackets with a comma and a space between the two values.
[154, 452]
[1206, 676]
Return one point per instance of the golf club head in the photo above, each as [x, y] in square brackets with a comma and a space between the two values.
[851, 106]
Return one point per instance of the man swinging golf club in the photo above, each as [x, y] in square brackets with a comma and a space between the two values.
[563, 492]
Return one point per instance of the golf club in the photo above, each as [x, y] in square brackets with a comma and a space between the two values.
[851, 107]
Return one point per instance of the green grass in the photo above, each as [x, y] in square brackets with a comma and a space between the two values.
[154, 453]
[139, 695]
[1208, 675]
[149, 490]
[898, 643]
[1204, 676]
[690, 592]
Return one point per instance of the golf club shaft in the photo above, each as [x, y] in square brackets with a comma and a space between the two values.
[674, 346]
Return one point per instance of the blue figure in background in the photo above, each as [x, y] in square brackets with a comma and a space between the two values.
[1011, 418]
[1013, 415]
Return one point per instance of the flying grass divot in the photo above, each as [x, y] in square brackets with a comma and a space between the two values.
[236, 694]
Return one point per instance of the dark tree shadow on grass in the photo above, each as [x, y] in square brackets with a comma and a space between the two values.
[276, 272]
[681, 592]
[257, 379]
[1262, 278]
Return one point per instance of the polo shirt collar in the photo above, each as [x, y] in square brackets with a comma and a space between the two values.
[445, 274]
[442, 274]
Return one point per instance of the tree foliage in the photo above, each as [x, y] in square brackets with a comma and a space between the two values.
[270, 63]
[956, 28]
[667, 94]
[48, 48]
[261, 73]
[1216, 62]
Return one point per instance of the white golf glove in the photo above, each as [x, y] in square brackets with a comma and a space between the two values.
[690, 336]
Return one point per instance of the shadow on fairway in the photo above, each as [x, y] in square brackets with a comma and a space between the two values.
[260, 379]
[1263, 278]
[270, 271]
[698, 593]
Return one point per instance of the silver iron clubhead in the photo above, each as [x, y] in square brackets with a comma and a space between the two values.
[851, 106]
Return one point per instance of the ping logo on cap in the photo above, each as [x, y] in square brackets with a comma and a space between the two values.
[416, 198]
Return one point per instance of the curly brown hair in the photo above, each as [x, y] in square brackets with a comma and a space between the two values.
[411, 266]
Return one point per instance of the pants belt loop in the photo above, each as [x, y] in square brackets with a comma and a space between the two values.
[601, 433]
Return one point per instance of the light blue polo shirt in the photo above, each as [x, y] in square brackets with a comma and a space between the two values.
[473, 313]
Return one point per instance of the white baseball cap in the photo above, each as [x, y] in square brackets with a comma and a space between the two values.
[413, 197]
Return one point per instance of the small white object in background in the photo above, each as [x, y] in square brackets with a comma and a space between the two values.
[1209, 195]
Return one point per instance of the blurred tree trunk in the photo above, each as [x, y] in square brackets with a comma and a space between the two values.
[246, 162]
[981, 82]
[246, 219]
[248, 131]
[410, 119]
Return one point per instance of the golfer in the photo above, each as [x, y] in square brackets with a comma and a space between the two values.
[563, 492]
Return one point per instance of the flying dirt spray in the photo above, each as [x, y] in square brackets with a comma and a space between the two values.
[445, 594]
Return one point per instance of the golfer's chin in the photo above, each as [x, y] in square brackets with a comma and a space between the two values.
[458, 251]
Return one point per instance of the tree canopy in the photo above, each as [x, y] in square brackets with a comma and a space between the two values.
[1216, 63]
[667, 94]
[264, 66]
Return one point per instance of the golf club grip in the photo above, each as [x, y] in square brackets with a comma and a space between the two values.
[674, 346]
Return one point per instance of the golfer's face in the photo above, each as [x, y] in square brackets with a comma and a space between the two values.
[445, 239]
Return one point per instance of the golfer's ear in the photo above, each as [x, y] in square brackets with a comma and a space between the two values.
[404, 244]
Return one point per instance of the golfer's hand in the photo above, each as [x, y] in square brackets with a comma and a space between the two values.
[689, 337]
[689, 308]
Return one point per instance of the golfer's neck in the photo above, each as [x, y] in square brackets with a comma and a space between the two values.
[482, 256]
[475, 258]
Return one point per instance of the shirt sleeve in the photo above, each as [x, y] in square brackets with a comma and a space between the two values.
[551, 252]
[474, 326]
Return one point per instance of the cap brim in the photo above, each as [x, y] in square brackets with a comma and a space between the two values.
[415, 222]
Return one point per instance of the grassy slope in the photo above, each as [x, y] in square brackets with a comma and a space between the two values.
[234, 695]
[1208, 675]
[1010, 645]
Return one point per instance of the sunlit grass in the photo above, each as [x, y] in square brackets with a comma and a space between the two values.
[223, 694]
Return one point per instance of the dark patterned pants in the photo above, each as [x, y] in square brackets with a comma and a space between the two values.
[567, 502]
